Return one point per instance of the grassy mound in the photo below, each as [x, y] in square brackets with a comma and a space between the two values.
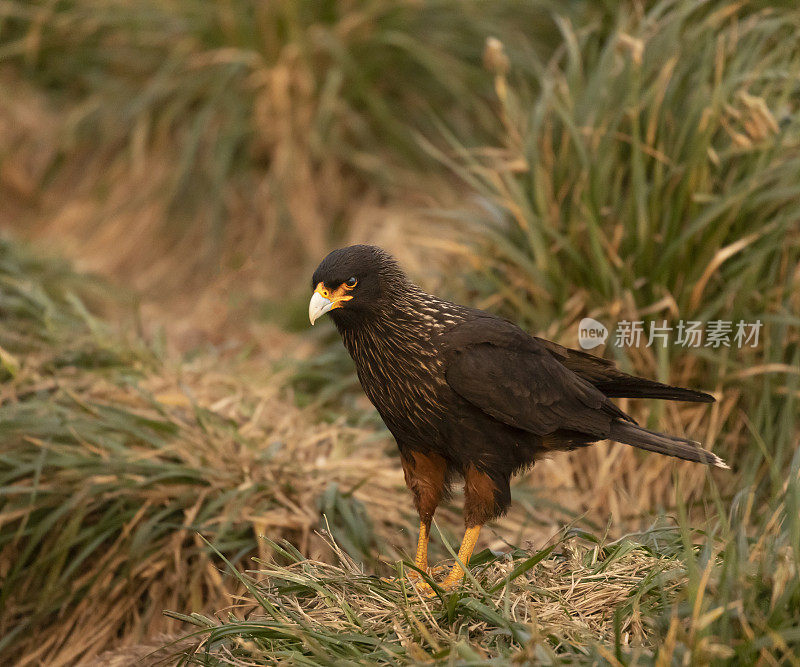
[564, 596]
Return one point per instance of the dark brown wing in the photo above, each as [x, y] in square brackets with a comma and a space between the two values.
[512, 377]
[612, 382]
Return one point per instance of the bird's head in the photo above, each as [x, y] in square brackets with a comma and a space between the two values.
[354, 283]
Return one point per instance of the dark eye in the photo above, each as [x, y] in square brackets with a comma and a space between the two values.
[351, 282]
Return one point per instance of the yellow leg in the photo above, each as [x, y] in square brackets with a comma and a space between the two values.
[421, 559]
[464, 554]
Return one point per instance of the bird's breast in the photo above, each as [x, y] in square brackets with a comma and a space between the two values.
[404, 380]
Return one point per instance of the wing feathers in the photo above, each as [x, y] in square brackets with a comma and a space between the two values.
[604, 375]
[528, 389]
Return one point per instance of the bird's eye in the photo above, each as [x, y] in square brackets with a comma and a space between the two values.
[351, 282]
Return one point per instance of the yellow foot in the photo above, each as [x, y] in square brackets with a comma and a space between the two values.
[427, 590]
[456, 574]
[453, 579]
[449, 583]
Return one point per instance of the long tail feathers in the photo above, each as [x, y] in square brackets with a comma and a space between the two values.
[633, 387]
[689, 450]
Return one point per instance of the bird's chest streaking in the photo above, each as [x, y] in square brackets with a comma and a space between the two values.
[401, 371]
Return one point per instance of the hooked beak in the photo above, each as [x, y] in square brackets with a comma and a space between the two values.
[324, 300]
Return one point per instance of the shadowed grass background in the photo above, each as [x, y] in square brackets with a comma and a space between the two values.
[547, 161]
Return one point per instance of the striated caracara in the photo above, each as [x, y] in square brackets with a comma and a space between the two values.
[469, 394]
